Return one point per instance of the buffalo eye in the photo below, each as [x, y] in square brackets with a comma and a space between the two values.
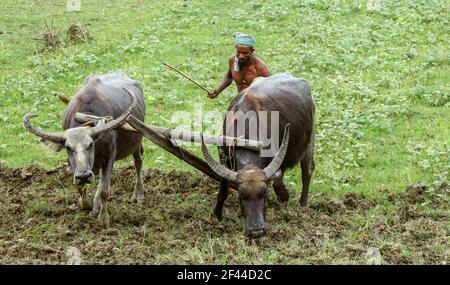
[90, 145]
[69, 149]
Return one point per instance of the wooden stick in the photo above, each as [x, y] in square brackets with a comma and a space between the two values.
[177, 151]
[188, 136]
[182, 135]
[182, 73]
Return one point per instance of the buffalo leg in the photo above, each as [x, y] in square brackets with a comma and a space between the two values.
[221, 197]
[138, 195]
[266, 205]
[100, 209]
[280, 189]
[241, 205]
[307, 165]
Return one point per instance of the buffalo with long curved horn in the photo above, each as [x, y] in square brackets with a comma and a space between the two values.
[92, 148]
[290, 100]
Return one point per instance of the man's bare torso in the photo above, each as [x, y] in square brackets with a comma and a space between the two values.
[247, 73]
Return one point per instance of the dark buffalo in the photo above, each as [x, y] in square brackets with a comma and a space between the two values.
[249, 170]
[93, 147]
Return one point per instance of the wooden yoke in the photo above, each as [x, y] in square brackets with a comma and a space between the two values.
[166, 144]
[182, 135]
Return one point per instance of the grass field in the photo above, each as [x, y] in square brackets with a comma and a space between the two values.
[379, 72]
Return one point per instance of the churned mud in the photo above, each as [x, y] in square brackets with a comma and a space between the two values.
[40, 223]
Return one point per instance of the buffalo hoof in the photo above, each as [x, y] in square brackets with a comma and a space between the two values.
[94, 214]
[85, 204]
[138, 198]
[104, 219]
[303, 201]
[218, 214]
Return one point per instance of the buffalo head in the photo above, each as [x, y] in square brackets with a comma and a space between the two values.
[79, 142]
[252, 185]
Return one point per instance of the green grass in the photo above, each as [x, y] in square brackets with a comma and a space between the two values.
[380, 79]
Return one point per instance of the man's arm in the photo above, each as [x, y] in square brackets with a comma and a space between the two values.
[262, 69]
[226, 81]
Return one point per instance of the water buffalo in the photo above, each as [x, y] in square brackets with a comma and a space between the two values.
[249, 170]
[93, 147]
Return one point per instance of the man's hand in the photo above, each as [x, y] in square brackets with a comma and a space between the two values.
[213, 94]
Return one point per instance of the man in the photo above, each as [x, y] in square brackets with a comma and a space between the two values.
[243, 67]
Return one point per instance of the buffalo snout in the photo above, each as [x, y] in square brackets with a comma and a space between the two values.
[255, 226]
[84, 177]
[256, 233]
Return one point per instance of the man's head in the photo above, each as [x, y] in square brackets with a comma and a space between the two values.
[245, 47]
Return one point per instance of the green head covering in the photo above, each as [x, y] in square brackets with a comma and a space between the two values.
[241, 39]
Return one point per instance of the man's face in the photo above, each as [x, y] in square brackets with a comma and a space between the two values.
[244, 53]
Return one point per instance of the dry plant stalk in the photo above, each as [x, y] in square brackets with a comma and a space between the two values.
[50, 39]
[76, 34]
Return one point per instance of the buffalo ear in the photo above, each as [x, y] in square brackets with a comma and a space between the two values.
[276, 175]
[52, 145]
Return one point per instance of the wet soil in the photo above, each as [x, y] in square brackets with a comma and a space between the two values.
[40, 220]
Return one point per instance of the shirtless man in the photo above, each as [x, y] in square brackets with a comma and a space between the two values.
[243, 67]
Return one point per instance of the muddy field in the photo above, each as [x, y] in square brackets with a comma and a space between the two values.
[40, 221]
